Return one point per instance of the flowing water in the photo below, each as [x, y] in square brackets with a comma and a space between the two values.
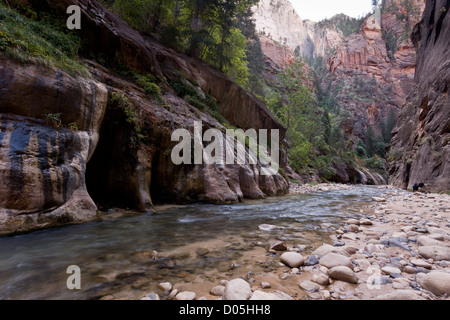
[193, 241]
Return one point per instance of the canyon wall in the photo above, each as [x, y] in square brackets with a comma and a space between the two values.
[420, 149]
[119, 152]
[373, 67]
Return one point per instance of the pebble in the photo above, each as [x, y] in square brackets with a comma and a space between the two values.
[435, 252]
[308, 285]
[312, 260]
[400, 295]
[292, 259]
[279, 246]
[323, 250]
[421, 263]
[186, 295]
[261, 295]
[202, 251]
[151, 296]
[172, 294]
[321, 279]
[389, 270]
[237, 289]
[166, 286]
[409, 269]
[365, 222]
[352, 221]
[427, 241]
[437, 282]
[343, 273]
[334, 259]
[217, 290]
[267, 227]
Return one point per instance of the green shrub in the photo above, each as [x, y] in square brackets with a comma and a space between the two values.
[147, 83]
[182, 89]
[53, 119]
[45, 42]
[119, 99]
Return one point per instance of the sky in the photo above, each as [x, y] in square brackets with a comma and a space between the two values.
[317, 10]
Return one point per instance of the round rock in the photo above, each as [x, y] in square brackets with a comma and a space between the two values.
[292, 259]
[237, 289]
[186, 295]
[334, 259]
[435, 252]
[344, 274]
[437, 282]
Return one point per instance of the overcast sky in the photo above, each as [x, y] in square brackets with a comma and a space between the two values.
[317, 10]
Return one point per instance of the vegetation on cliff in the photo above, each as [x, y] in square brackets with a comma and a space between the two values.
[36, 37]
[214, 31]
[221, 33]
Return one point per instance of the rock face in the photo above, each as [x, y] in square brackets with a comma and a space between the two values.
[278, 55]
[279, 21]
[371, 70]
[54, 176]
[42, 167]
[420, 151]
[377, 65]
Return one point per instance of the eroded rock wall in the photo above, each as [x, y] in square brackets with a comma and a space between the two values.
[42, 165]
[420, 150]
[52, 174]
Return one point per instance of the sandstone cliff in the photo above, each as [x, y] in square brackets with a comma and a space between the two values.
[420, 150]
[278, 20]
[372, 69]
[365, 55]
[119, 152]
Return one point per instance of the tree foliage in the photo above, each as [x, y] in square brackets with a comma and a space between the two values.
[217, 31]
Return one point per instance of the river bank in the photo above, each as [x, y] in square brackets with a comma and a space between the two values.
[397, 247]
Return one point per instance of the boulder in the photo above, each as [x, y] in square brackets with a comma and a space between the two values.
[217, 291]
[389, 270]
[308, 285]
[400, 295]
[428, 241]
[292, 259]
[276, 295]
[278, 246]
[334, 259]
[323, 250]
[321, 279]
[435, 252]
[186, 295]
[237, 289]
[344, 274]
[437, 282]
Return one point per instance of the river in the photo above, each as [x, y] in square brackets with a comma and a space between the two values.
[194, 243]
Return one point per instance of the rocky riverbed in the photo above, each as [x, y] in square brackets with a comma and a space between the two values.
[397, 248]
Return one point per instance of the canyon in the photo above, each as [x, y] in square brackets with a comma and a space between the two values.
[94, 139]
[118, 152]
[54, 175]
[355, 60]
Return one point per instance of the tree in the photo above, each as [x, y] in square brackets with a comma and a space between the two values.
[144, 15]
[300, 113]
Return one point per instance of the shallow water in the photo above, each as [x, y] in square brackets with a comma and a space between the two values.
[115, 258]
